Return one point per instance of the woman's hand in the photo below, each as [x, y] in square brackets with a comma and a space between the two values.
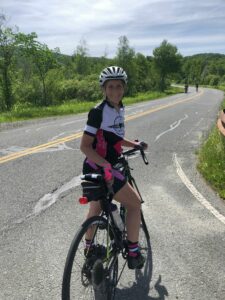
[108, 175]
[140, 145]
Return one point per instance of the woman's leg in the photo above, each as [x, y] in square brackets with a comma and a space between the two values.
[94, 210]
[131, 200]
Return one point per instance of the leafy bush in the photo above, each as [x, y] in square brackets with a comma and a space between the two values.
[222, 80]
[28, 92]
[89, 90]
[85, 89]
[212, 80]
[67, 89]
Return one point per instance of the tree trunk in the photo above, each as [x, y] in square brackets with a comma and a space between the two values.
[7, 90]
[162, 83]
[45, 101]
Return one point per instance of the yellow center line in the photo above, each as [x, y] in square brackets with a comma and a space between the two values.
[77, 135]
[163, 106]
[39, 148]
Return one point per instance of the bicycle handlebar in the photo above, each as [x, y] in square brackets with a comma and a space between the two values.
[134, 150]
[99, 177]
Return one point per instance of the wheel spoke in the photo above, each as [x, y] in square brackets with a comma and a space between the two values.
[80, 263]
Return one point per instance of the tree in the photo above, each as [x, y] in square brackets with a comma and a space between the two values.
[125, 59]
[81, 58]
[143, 80]
[43, 58]
[7, 48]
[187, 69]
[166, 62]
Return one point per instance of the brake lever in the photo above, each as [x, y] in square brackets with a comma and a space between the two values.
[143, 144]
[144, 157]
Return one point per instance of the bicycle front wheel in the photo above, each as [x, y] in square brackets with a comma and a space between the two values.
[87, 274]
[145, 246]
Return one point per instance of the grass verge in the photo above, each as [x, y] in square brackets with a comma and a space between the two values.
[20, 112]
[211, 158]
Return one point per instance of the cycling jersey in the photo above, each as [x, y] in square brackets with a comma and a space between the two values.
[106, 125]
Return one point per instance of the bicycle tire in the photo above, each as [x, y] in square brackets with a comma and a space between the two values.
[144, 236]
[77, 276]
[145, 228]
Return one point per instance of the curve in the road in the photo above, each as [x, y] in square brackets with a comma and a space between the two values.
[38, 148]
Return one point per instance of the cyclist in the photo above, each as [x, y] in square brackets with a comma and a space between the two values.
[196, 86]
[102, 143]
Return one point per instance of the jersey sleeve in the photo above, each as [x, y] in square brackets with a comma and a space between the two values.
[94, 121]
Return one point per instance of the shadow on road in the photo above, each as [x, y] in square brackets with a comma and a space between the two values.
[140, 288]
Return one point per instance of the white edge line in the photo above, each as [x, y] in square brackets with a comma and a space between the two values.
[195, 192]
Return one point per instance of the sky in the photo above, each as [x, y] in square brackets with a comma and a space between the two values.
[194, 26]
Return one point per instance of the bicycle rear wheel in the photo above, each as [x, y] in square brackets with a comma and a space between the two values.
[90, 275]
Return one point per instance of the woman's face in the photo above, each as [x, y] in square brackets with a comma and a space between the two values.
[114, 91]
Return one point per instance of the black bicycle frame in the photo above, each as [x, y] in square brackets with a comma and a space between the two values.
[105, 202]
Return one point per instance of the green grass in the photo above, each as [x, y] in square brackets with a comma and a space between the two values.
[27, 113]
[151, 96]
[73, 107]
[212, 159]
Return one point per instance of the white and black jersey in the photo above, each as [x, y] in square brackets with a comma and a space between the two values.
[106, 124]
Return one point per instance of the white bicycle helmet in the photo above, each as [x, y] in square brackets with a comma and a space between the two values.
[111, 73]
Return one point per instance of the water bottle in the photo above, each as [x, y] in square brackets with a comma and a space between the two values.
[116, 216]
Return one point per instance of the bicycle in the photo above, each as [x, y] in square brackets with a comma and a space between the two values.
[95, 275]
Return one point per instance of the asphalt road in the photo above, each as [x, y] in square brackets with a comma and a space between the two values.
[40, 164]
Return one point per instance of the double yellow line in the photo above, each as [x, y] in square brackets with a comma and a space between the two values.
[39, 148]
[77, 135]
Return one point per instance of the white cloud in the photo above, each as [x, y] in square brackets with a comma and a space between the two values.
[189, 24]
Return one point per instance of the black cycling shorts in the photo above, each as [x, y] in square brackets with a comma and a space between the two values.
[119, 179]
